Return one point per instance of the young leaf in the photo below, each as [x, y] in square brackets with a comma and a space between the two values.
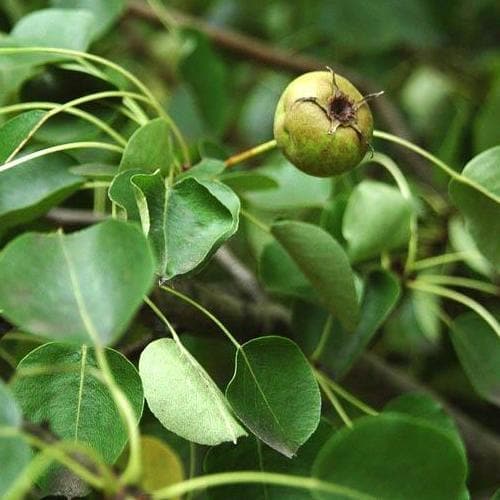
[149, 148]
[161, 466]
[61, 28]
[393, 457]
[249, 454]
[482, 213]
[15, 454]
[32, 188]
[325, 264]
[55, 384]
[377, 218]
[187, 222]
[183, 397]
[478, 350]
[274, 393]
[14, 131]
[97, 279]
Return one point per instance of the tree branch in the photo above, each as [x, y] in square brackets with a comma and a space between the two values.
[251, 48]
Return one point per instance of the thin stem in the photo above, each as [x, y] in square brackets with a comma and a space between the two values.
[164, 320]
[60, 108]
[207, 313]
[250, 153]
[100, 124]
[61, 147]
[252, 477]
[473, 284]
[54, 451]
[440, 260]
[333, 400]
[457, 297]
[325, 335]
[404, 188]
[100, 197]
[77, 55]
[436, 161]
[347, 395]
[254, 220]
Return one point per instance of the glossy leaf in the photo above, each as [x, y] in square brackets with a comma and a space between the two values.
[97, 279]
[242, 182]
[149, 148]
[325, 264]
[249, 454]
[14, 131]
[55, 384]
[208, 169]
[392, 456]
[187, 222]
[183, 397]
[274, 393]
[105, 12]
[15, 454]
[376, 219]
[61, 28]
[30, 189]
[482, 213]
[478, 350]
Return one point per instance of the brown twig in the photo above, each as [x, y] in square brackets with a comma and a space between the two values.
[277, 58]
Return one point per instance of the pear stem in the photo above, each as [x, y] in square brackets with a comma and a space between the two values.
[250, 153]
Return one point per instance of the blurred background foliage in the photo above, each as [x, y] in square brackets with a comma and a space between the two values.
[219, 67]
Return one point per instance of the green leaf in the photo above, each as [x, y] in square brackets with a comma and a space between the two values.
[183, 397]
[249, 454]
[149, 148]
[486, 131]
[478, 350]
[307, 191]
[242, 182]
[105, 12]
[96, 277]
[391, 457]
[61, 28]
[424, 407]
[325, 264]
[14, 131]
[32, 188]
[380, 296]
[376, 219]
[281, 275]
[187, 222]
[122, 193]
[361, 26]
[274, 393]
[15, 454]
[208, 169]
[207, 76]
[462, 241]
[56, 384]
[481, 212]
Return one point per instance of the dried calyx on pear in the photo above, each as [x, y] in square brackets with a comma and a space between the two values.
[323, 125]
